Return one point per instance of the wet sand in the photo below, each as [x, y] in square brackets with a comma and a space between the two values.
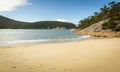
[92, 55]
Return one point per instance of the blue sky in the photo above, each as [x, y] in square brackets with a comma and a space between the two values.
[44, 10]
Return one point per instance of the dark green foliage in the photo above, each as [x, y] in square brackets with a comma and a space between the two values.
[90, 20]
[9, 23]
[48, 24]
[109, 25]
[117, 28]
[112, 25]
[12, 24]
[114, 15]
[111, 12]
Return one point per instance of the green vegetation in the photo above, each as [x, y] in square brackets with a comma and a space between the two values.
[110, 12]
[6, 23]
[49, 24]
[9, 23]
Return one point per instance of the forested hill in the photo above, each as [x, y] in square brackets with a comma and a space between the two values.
[110, 12]
[49, 25]
[6, 23]
[10, 23]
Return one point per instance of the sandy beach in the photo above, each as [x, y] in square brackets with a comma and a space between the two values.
[92, 55]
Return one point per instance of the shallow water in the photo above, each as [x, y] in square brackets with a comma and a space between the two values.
[16, 36]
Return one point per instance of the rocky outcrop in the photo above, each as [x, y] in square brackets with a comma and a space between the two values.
[97, 27]
[96, 30]
[98, 34]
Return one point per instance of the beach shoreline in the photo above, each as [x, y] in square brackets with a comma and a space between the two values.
[102, 33]
[90, 55]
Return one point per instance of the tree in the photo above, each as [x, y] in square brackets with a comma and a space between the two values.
[111, 3]
[111, 12]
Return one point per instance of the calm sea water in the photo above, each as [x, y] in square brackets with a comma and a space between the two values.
[18, 36]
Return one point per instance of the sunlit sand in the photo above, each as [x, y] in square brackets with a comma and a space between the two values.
[92, 55]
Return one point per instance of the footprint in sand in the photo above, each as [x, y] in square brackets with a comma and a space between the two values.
[21, 53]
[13, 67]
[70, 69]
[93, 68]
[41, 65]
[24, 59]
[8, 47]
[65, 69]
[110, 59]
[53, 68]
[31, 68]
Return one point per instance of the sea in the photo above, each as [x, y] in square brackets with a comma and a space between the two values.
[32, 36]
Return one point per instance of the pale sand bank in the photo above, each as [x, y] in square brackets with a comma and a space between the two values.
[93, 55]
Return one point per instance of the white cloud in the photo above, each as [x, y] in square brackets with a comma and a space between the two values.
[62, 20]
[10, 5]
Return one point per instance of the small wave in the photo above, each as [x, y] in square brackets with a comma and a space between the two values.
[45, 40]
[85, 36]
[22, 41]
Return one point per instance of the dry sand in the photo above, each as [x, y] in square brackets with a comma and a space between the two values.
[92, 55]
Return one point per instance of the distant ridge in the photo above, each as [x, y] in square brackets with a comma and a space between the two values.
[7, 23]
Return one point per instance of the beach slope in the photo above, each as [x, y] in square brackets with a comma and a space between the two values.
[92, 55]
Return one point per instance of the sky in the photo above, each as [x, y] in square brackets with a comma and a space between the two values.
[46, 10]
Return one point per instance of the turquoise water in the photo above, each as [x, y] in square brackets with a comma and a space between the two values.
[16, 36]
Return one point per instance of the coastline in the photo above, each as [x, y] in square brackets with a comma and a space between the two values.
[15, 36]
[44, 41]
[97, 34]
[90, 55]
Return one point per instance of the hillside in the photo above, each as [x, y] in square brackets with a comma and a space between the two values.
[49, 25]
[105, 23]
[96, 30]
[10, 23]
[110, 12]
[6, 23]
[97, 27]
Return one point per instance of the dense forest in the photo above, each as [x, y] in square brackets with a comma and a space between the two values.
[6, 23]
[110, 12]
